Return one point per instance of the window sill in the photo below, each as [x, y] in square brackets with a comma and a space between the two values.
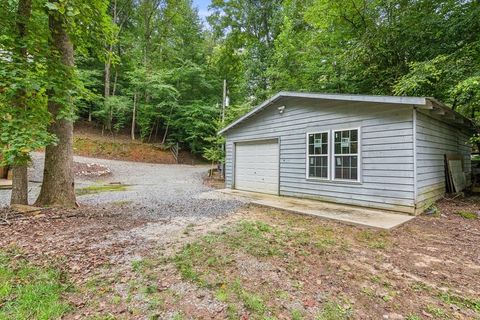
[353, 182]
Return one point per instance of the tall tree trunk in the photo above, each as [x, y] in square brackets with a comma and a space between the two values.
[106, 93]
[156, 130]
[165, 134]
[168, 125]
[19, 185]
[108, 64]
[58, 187]
[20, 176]
[133, 115]
[115, 79]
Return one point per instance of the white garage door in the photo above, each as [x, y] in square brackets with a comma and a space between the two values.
[256, 166]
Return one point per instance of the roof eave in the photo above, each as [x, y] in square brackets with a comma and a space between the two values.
[447, 111]
[251, 113]
[428, 103]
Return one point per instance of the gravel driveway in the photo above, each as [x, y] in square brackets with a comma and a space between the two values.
[154, 190]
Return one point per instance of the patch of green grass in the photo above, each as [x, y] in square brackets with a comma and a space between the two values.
[186, 260]
[296, 315]
[121, 202]
[413, 317]
[387, 297]
[325, 244]
[376, 279]
[437, 313]
[116, 299]
[462, 302]
[232, 311]
[467, 215]
[221, 295]
[178, 316]
[30, 292]
[283, 295]
[334, 311]
[297, 285]
[100, 188]
[137, 266]
[373, 239]
[368, 292]
[254, 238]
[420, 286]
[146, 267]
[252, 301]
[156, 303]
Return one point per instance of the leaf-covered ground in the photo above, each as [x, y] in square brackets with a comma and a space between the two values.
[258, 264]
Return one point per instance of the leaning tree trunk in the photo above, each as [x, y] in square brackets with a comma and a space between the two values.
[58, 182]
[20, 176]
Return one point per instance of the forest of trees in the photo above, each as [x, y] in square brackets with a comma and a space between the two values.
[156, 68]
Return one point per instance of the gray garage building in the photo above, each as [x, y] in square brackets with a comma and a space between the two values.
[383, 152]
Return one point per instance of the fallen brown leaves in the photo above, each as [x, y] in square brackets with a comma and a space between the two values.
[80, 240]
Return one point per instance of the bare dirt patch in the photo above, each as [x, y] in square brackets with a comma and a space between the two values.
[129, 151]
[71, 236]
[90, 141]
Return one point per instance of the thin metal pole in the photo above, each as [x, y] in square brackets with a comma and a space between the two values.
[224, 100]
[224, 103]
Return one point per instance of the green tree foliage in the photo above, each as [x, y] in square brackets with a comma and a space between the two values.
[380, 47]
[162, 65]
[161, 58]
[248, 29]
[24, 115]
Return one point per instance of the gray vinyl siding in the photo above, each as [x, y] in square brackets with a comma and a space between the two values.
[386, 159]
[434, 139]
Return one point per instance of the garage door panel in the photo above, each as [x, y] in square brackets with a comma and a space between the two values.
[256, 166]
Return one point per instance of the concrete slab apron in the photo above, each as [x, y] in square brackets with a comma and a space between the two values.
[347, 214]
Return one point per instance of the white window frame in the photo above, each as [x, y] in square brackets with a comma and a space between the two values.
[359, 170]
[331, 156]
[307, 156]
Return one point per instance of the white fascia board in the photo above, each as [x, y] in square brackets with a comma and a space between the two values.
[418, 101]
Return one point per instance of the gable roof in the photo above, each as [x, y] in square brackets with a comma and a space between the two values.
[419, 102]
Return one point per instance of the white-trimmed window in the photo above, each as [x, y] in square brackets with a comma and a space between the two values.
[345, 154]
[318, 155]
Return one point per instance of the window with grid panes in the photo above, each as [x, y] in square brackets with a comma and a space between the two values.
[318, 155]
[345, 145]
